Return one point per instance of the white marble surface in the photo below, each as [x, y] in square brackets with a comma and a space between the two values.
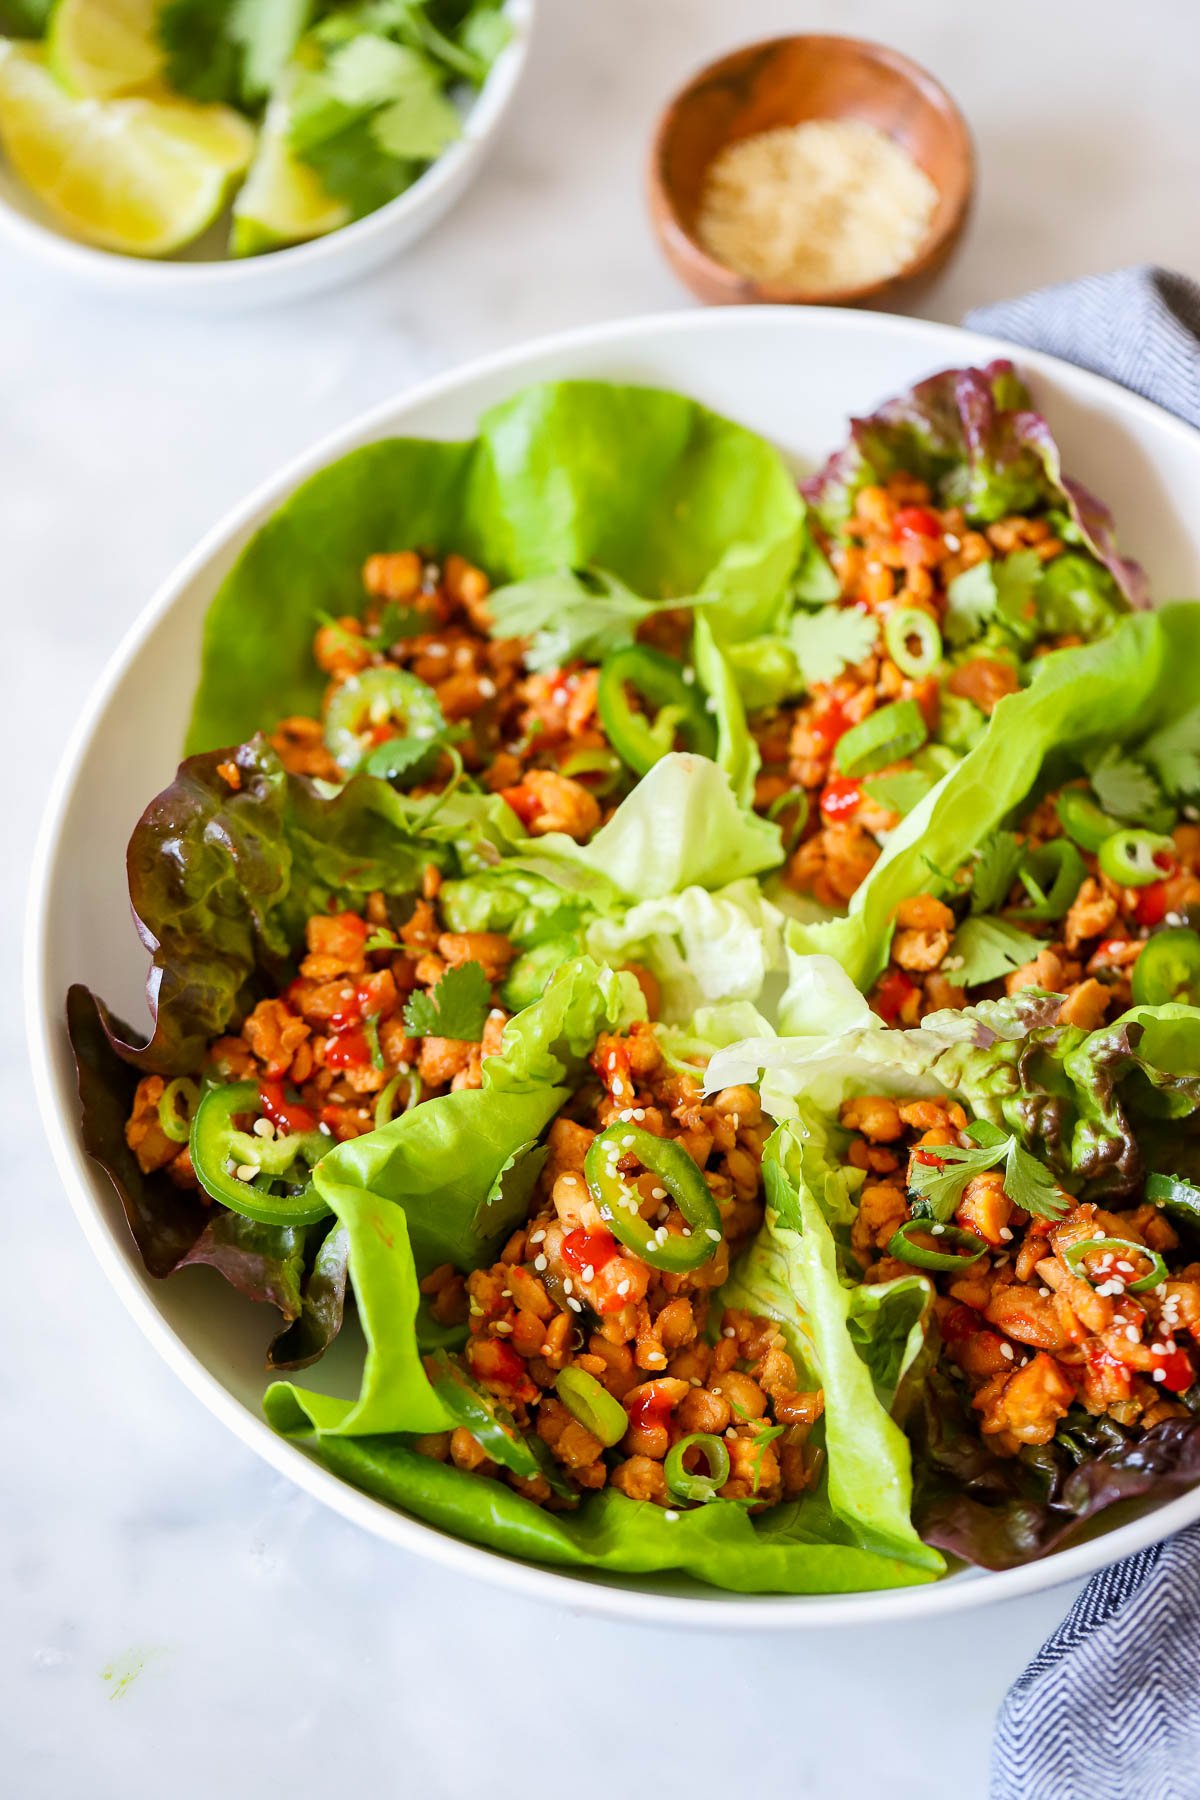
[174, 1618]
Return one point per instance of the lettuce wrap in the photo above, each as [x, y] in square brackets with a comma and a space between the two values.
[1134, 687]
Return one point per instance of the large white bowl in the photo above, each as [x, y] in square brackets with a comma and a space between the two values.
[793, 375]
[203, 277]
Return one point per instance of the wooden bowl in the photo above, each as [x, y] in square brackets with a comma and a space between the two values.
[786, 81]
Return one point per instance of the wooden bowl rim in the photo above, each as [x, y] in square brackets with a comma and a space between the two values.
[689, 256]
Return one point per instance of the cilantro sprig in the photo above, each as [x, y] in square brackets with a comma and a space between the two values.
[573, 615]
[831, 639]
[938, 1185]
[456, 1008]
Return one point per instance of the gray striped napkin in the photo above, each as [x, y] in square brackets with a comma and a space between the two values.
[1109, 1708]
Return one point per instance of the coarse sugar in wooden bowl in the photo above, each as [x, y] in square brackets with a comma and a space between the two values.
[851, 168]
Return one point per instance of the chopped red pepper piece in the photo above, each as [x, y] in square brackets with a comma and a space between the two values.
[828, 725]
[1178, 1373]
[840, 797]
[894, 989]
[348, 1051]
[589, 1250]
[284, 1114]
[524, 803]
[1151, 906]
[916, 521]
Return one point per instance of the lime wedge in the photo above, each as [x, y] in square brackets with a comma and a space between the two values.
[101, 48]
[282, 200]
[138, 175]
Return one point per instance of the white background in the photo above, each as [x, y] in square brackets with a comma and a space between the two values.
[173, 1617]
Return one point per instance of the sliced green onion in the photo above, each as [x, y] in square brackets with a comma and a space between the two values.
[1130, 856]
[1074, 1255]
[1052, 875]
[385, 1105]
[370, 1027]
[177, 1103]
[884, 737]
[604, 763]
[1082, 820]
[900, 627]
[1168, 968]
[592, 1404]
[682, 1483]
[904, 1250]
[795, 797]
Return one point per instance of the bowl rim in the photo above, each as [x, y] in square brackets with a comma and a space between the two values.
[166, 278]
[683, 246]
[707, 1608]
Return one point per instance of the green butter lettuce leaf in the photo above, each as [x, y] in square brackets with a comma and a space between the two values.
[431, 1187]
[793, 1549]
[669, 497]
[702, 947]
[681, 827]
[1139, 680]
[737, 752]
[791, 1273]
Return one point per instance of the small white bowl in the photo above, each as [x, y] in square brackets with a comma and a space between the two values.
[793, 374]
[204, 278]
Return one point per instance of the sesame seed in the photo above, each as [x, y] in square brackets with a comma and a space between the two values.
[540, 1263]
[661, 1234]
[936, 1230]
[263, 1128]
[1005, 1234]
[658, 1193]
[618, 1086]
[623, 1287]
[951, 541]
[710, 1231]
[1008, 1353]
[437, 650]
[487, 688]
[729, 1332]
[1044, 1292]
[574, 1304]
[627, 1143]
[664, 1212]
[589, 1272]
[245, 1171]
[403, 1068]
[502, 1326]
[639, 1112]
[568, 1286]
[671, 1517]
[1131, 1334]
[324, 1129]
[687, 1231]
[625, 1115]
[1158, 1374]
[547, 1350]
[537, 1237]
[1158, 1349]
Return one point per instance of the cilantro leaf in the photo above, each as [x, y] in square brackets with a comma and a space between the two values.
[996, 863]
[1031, 1187]
[832, 639]
[1016, 578]
[938, 1186]
[970, 604]
[1123, 787]
[1174, 754]
[573, 614]
[267, 34]
[397, 756]
[228, 50]
[985, 949]
[456, 1008]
